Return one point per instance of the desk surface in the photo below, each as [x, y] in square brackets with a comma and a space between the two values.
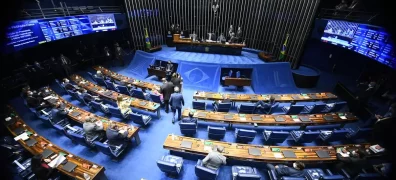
[132, 131]
[136, 103]
[263, 119]
[208, 44]
[131, 81]
[264, 97]
[241, 151]
[43, 144]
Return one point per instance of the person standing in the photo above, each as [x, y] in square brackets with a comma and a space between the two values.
[107, 54]
[177, 102]
[166, 90]
[119, 54]
[56, 68]
[177, 80]
[66, 64]
[169, 70]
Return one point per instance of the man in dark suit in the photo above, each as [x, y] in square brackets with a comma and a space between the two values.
[66, 63]
[169, 70]
[266, 107]
[353, 164]
[68, 86]
[116, 136]
[190, 118]
[34, 101]
[282, 170]
[166, 90]
[177, 102]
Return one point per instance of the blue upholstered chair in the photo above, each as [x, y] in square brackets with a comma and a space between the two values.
[124, 90]
[293, 109]
[273, 108]
[272, 137]
[97, 106]
[203, 172]
[245, 173]
[316, 173]
[273, 176]
[216, 132]
[105, 149]
[304, 136]
[245, 135]
[110, 85]
[335, 107]
[323, 127]
[109, 102]
[188, 128]
[315, 109]
[140, 119]
[64, 91]
[246, 108]
[115, 111]
[360, 133]
[92, 76]
[222, 107]
[137, 93]
[170, 164]
[199, 105]
[73, 94]
[369, 176]
[335, 135]
[100, 81]
[78, 138]
[156, 98]
[76, 130]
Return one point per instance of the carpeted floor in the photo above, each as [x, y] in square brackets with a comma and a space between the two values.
[140, 161]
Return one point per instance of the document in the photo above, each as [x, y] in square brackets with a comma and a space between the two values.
[24, 136]
[58, 160]
[278, 155]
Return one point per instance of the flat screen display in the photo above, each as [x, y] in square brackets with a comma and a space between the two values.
[29, 33]
[370, 41]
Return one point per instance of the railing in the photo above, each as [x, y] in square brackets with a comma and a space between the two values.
[65, 10]
[350, 15]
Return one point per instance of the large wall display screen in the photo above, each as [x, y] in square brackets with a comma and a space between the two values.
[370, 41]
[29, 33]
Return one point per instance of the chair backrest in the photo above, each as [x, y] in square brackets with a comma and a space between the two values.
[109, 102]
[167, 167]
[332, 177]
[109, 85]
[104, 148]
[138, 94]
[138, 119]
[123, 90]
[155, 98]
[273, 107]
[224, 107]
[368, 176]
[115, 111]
[204, 172]
[73, 94]
[60, 85]
[238, 74]
[95, 105]
[363, 133]
[278, 136]
[100, 81]
[246, 108]
[323, 127]
[188, 128]
[309, 136]
[78, 138]
[248, 176]
[92, 76]
[199, 105]
[216, 132]
[245, 135]
[295, 109]
[338, 106]
[338, 135]
[317, 108]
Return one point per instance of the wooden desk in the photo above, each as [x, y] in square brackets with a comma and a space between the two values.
[133, 132]
[241, 151]
[42, 144]
[264, 97]
[269, 120]
[131, 81]
[112, 95]
[237, 81]
[156, 72]
[186, 44]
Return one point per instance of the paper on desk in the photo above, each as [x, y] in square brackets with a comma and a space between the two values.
[55, 163]
[278, 155]
[8, 118]
[207, 148]
[343, 117]
[242, 118]
[296, 120]
[24, 136]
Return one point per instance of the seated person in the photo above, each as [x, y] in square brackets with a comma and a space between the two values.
[123, 105]
[99, 75]
[25, 90]
[68, 86]
[282, 170]
[116, 136]
[59, 113]
[93, 129]
[214, 159]
[353, 164]
[83, 94]
[40, 168]
[190, 118]
[33, 101]
[226, 100]
[261, 105]
[391, 113]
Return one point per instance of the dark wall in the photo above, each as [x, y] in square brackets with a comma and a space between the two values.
[32, 4]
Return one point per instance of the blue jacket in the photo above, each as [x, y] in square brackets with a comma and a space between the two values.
[176, 100]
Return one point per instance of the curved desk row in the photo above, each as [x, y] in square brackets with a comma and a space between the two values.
[112, 95]
[77, 114]
[264, 97]
[248, 152]
[131, 81]
[264, 119]
[16, 124]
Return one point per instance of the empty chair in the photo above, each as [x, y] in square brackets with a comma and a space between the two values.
[92, 76]
[64, 91]
[67, 130]
[245, 173]
[335, 107]
[170, 164]
[188, 128]
[304, 136]
[100, 81]
[199, 105]
[156, 98]
[98, 106]
[138, 94]
[216, 132]
[336, 135]
[369, 176]
[110, 85]
[112, 152]
[222, 107]
[293, 109]
[323, 127]
[273, 137]
[115, 111]
[281, 128]
[73, 94]
[316, 173]
[124, 90]
[203, 172]
[244, 135]
[273, 108]
[109, 102]
[315, 109]
[140, 119]
[78, 138]
[246, 108]
[360, 133]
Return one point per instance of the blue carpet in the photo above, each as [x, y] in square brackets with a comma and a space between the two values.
[140, 161]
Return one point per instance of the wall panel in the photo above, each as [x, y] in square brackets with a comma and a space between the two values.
[264, 23]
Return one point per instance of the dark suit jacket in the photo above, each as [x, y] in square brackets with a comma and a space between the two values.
[176, 82]
[166, 90]
[176, 100]
[169, 67]
[33, 102]
[352, 165]
[288, 171]
[114, 137]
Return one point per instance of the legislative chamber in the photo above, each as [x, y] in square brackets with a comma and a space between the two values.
[210, 89]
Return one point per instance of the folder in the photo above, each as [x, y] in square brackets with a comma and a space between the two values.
[289, 154]
[323, 154]
[200, 114]
[186, 144]
[69, 166]
[328, 117]
[228, 117]
[254, 151]
[304, 119]
[46, 153]
[256, 118]
[31, 142]
[143, 103]
[75, 113]
[279, 119]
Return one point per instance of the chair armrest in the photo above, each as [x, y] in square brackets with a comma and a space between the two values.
[345, 174]
[272, 174]
[328, 171]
